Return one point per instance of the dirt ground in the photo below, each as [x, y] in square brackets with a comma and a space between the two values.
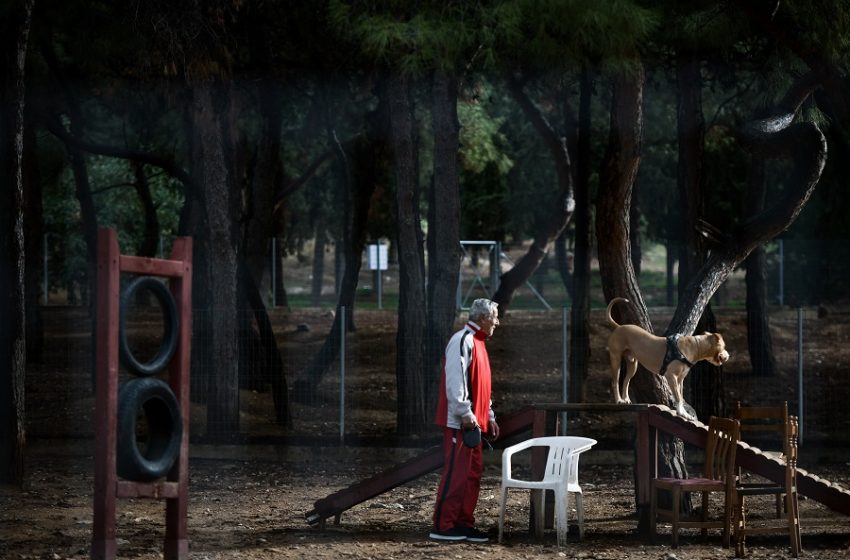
[249, 501]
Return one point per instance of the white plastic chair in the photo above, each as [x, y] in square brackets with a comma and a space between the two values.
[561, 476]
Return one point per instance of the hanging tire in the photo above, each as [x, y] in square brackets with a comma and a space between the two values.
[152, 399]
[170, 318]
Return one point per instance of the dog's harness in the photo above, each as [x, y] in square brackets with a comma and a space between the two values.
[673, 353]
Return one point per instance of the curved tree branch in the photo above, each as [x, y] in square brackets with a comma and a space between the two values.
[771, 137]
[169, 166]
[562, 208]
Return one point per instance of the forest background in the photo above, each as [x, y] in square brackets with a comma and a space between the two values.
[579, 132]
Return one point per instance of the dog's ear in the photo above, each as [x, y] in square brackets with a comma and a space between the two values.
[717, 338]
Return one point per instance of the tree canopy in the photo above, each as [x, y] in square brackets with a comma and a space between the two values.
[554, 126]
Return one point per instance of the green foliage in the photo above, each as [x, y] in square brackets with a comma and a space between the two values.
[561, 34]
[481, 141]
[411, 38]
[485, 204]
[117, 206]
[124, 64]
[823, 24]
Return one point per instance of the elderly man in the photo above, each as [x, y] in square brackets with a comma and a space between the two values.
[464, 405]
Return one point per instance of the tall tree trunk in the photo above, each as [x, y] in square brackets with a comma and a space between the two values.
[759, 341]
[150, 235]
[669, 266]
[363, 170]
[279, 297]
[217, 269]
[34, 235]
[617, 176]
[690, 134]
[562, 207]
[634, 230]
[267, 169]
[705, 379]
[412, 412]
[15, 26]
[562, 260]
[444, 251]
[88, 214]
[260, 226]
[580, 311]
[321, 239]
[270, 355]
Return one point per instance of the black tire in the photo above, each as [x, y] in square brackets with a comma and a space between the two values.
[156, 400]
[172, 326]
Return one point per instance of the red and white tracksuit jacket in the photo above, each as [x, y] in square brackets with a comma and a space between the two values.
[464, 395]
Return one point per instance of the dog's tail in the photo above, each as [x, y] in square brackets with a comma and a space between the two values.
[611, 320]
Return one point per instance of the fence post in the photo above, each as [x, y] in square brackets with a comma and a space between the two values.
[342, 375]
[565, 343]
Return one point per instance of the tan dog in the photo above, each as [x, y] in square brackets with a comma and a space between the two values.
[671, 357]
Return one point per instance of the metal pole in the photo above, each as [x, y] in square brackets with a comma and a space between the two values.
[342, 375]
[380, 274]
[564, 367]
[800, 372]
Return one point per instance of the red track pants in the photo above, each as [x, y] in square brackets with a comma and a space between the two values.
[460, 483]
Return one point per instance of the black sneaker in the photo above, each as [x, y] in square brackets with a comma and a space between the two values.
[473, 534]
[455, 534]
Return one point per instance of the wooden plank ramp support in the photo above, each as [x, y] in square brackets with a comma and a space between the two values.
[428, 461]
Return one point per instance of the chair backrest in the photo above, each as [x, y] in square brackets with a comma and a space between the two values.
[560, 463]
[759, 421]
[789, 449]
[723, 437]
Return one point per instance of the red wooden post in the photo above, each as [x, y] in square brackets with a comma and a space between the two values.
[106, 391]
[107, 486]
[642, 471]
[176, 539]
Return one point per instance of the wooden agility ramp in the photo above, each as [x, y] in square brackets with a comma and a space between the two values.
[424, 463]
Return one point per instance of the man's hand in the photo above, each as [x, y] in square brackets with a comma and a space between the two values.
[492, 431]
[469, 423]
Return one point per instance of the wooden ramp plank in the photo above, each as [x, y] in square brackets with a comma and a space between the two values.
[424, 463]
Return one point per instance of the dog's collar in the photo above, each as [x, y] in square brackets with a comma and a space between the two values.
[673, 353]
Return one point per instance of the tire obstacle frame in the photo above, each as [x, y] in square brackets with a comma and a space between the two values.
[108, 487]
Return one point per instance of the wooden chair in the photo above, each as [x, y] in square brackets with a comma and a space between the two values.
[718, 476]
[756, 423]
[791, 522]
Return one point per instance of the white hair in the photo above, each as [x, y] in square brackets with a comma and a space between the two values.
[483, 308]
